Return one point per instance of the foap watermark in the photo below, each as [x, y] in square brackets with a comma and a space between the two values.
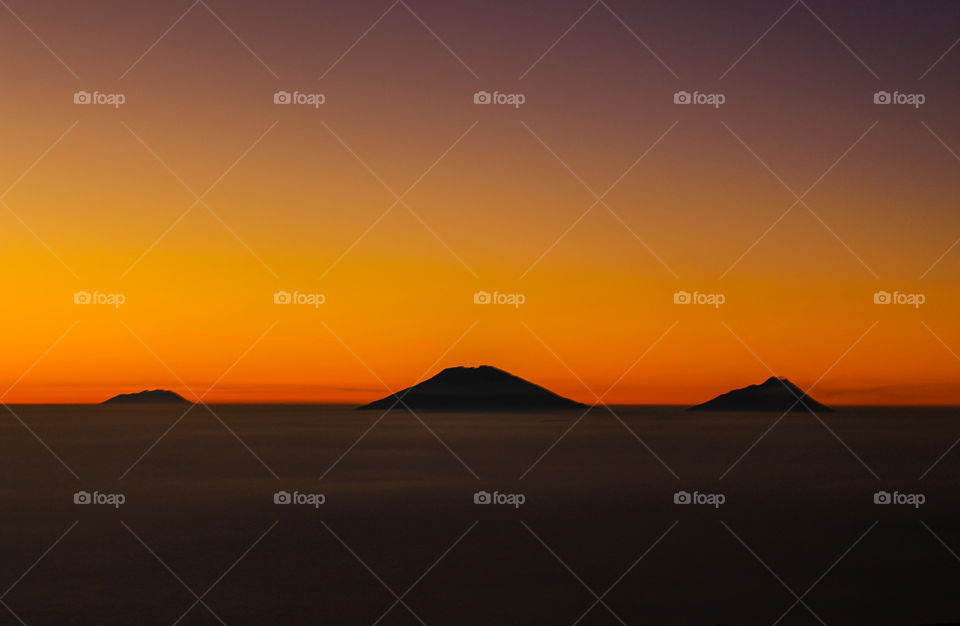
[910, 299]
[910, 499]
[910, 99]
[513, 499]
[711, 99]
[110, 299]
[512, 99]
[513, 299]
[309, 299]
[712, 299]
[115, 500]
[308, 499]
[110, 99]
[711, 499]
[308, 99]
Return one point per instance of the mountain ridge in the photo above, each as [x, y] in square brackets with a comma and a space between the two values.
[774, 394]
[480, 388]
[148, 396]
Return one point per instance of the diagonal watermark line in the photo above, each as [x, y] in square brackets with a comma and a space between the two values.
[940, 58]
[597, 599]
[429, 569]
[237, 37]
[637, 37]
[624, 575]
[753, 245]
[39, 239]
[599, 199]
[398, 199]
[942, 342]
[942, 542]
[159, 39]
[11, 611]
[837, 37]
[199, 200]
[172, 573]
[799, 599]
[824, 575]
[42, 442]
[199, 600]
[954, 444]
[557, 157]
[441, 240]
[759, 39]
[957, 157]
[559, 39]
[599, 401]
[16, 182]
[19, 419]
[180, 19]
[42, 42]
[800, 199]
[199, 400]
[38, 359]
[940, 258]
[37, 562]
[36, 161]
[940, 458]
[373, 573]
[779, 19]
[616, 17]
[799, 399]
[399, 400]
[380, 19]
[359, 39]
[437, 37]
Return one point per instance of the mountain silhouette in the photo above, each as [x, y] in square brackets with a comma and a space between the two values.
[483, 388]
[154, 396]
[775, 394]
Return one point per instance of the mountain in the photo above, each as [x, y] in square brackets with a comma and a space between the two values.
[776, 394]
[483, 388]
[155, 396]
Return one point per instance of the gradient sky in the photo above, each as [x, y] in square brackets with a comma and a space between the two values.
[493, 212]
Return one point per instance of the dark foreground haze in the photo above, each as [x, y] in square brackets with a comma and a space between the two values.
[199, 517]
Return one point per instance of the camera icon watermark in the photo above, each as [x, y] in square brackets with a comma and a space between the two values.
[115, 500]
[512, 299]
[308, 499]
[715, 100]
[485, 497]
[712, 499]
[115, 300]
[915, 100]
[308, 299]
[513, 99]
[711, 299]
[916, 500]
[910, 299]
[115, 100]
[308, 99]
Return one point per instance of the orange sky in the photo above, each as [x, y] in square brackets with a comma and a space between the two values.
[489, 215]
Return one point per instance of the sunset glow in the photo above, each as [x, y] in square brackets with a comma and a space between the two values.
[318, 200]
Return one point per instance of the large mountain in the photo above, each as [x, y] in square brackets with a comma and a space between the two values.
[482, 388]
[154, 396]
[776, 394]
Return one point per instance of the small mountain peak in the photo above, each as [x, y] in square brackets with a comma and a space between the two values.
[148, 396]
[774, 394]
